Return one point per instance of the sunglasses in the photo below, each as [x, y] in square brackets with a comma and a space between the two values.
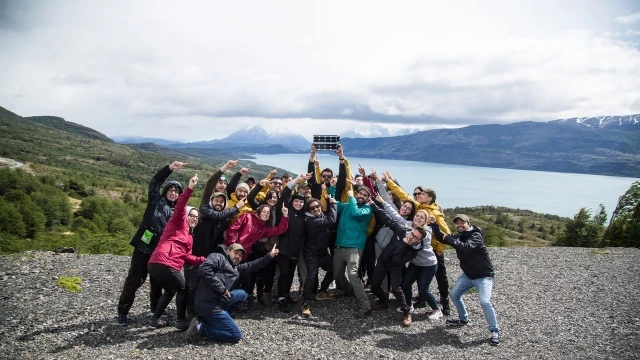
[418, 193]
[327, 176]
[277, 183]
[314, 207]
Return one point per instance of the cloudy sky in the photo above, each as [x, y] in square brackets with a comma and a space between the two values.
[199, 70]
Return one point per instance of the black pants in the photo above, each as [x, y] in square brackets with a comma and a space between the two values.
[263, 278]
[314, 263]
[191, 280]
[287, 268]
[135, 278]
[395, 278]
[368, 262]
[441, 277]
[173, 284]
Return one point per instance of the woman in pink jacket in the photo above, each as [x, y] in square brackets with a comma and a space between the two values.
[172, 251]
[250, 227]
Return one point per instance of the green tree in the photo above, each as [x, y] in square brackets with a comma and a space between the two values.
[583, 230]
[494, 236]
[11, 220]
[624, 227]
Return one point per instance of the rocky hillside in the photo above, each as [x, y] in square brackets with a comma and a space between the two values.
[550, 302]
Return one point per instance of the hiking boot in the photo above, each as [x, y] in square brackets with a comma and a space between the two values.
[444, 305]
[182, 325]
[419, 303]
[157, 323]
[305, 310]
[401, 309]
[283, 305]
[495, 338]
[435, 315]
[363, 313]
[290, 300]
[456, 321]
[265, 299]
[406, 322]
[323, 295]
[122, 319]
[192, 333]
[379, 305]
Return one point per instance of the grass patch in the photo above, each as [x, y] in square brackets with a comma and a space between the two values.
[600, 252]
[70, 283]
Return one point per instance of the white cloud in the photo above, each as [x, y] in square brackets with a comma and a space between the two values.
[629, 19]
[166, 70]
[632, 32]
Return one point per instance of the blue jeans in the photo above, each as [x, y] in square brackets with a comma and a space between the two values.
[484, 286]
[220, 326]
[424, 275]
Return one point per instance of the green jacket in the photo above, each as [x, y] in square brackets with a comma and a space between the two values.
[353, 224]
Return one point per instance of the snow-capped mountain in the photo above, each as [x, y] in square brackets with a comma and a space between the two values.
[376, 131]
[254, 136]
[626, 121]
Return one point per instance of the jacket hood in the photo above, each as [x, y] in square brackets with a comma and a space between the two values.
[471, 230]
[215, 195]
[169, 184]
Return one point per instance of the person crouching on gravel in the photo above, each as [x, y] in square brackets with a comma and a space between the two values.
[173, 250]
[215, 300]
[477, 271]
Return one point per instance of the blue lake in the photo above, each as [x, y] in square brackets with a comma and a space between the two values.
[458, 185]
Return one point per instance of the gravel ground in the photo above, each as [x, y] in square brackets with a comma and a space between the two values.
[550, 302]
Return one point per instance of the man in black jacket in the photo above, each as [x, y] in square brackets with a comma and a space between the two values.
[477, 271]
[316, 250]
[214, 298]
[208, 234]
[156, 215]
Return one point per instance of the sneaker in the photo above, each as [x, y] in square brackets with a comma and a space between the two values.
[165, 314]
[435, 315]
[122, 319]
[379, 305]
[157, 323]
[495, 338]
[192, 333]
[364, 313]
[323, 295]
[283, 305]
[456, 321]
[446, 310]
[182, 325]
[290, 300]
[305, 310]
[411, 310]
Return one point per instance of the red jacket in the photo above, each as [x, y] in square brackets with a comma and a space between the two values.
[174, 246]
[249, 228]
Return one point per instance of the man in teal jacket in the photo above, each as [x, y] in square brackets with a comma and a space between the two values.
[352, 235]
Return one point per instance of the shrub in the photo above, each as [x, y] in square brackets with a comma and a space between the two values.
[70, 283]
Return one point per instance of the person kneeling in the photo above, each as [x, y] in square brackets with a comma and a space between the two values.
[214, 302]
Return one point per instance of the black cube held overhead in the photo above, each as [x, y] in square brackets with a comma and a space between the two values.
[326, 142]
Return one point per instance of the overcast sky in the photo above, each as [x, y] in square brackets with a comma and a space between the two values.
[199, 70]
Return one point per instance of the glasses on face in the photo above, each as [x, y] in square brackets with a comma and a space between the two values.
[418, 193]
[327, 176]
[277, 183]
[314, 207]
[191, 216]
[173, 190]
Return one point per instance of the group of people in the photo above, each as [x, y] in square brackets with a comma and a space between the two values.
[364, 231]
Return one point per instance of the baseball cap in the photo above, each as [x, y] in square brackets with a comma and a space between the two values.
[236, 246]
[462, 217]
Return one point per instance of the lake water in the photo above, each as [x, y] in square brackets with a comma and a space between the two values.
[458, 185]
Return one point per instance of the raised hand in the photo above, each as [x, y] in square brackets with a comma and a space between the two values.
[263, 182]
[312, 153]
[273, 173]
[380, 199]
[340, 151]
[350, 192]
[361, 170]
[374, 174]
[388, 176]
[229, 165]
[285, 211]
[240, 204]
[176, 165]
[274, 252]
[193, 181]
[245, 170]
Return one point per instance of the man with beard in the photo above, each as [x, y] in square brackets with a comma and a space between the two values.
[214, 221]
[355, 216]
[215, 300]
[237, 193]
